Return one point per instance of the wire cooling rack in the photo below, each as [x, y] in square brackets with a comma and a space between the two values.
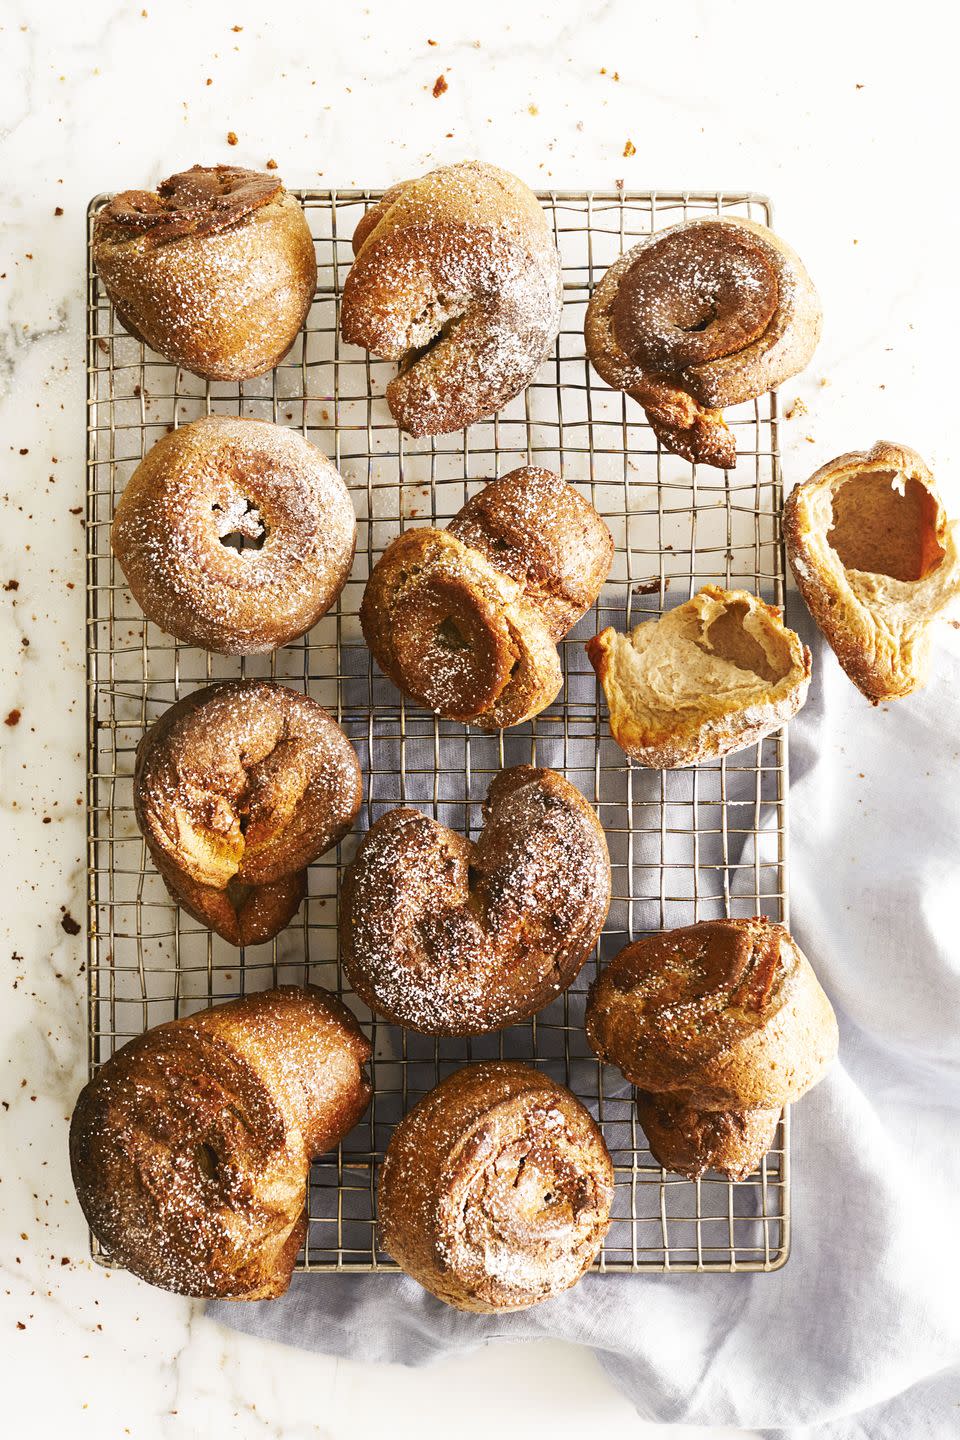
[685, 844]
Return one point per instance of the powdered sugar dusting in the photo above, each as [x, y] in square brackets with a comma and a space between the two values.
[215, 279]
[450, 937]
[190, 1148]
[245, 781]
[460, 280]
[510, 1180]
[223, 474]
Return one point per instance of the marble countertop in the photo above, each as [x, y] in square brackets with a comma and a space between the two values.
[844, 125]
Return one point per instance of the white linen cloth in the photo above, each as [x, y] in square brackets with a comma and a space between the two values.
[859, 1335]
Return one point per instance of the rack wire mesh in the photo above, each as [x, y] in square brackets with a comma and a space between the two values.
[685, 844]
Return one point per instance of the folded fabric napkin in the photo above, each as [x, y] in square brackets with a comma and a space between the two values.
[860, 1332]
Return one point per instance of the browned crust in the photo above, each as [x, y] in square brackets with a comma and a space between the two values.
[724, 1014]
[543, 533]
[689, 737]
[204, 484]
[721, 339]
[237, 788]
[216, 271]
[496, 1189]
[690, 1142]
[199, 201]
[450, 937]
[882, 640]
[458, 277]
[466, 620]
[190, 1148]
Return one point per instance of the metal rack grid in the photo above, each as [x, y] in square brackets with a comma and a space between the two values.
[685, 844]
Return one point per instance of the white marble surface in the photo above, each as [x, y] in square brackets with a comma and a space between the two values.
[844, 120]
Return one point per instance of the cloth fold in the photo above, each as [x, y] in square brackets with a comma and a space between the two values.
[859, 1334]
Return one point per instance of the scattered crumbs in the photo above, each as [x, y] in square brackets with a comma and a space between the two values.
[440, 87]
[68, 923]
[232, 137]
[629, 149]
[13, 718]
[271, 164]
[796, 409]
[58, 210]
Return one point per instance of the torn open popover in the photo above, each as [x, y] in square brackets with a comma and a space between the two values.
[876, 560]
[714, 675]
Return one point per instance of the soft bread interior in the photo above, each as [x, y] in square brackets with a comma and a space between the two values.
[885, 524]
[709, 650]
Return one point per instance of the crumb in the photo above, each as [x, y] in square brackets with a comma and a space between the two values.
[650, 587]
[209, 81]
[58, 210]
[13, 718]
[236, 29]
[12, 585]
[271, 164]
[857, 87]
[440, 87]
[232, 137]
[532, 110]
[431, 42]
[68, 923]
[796, 409]
[24, 451]
[629, 149]
[809, 439]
